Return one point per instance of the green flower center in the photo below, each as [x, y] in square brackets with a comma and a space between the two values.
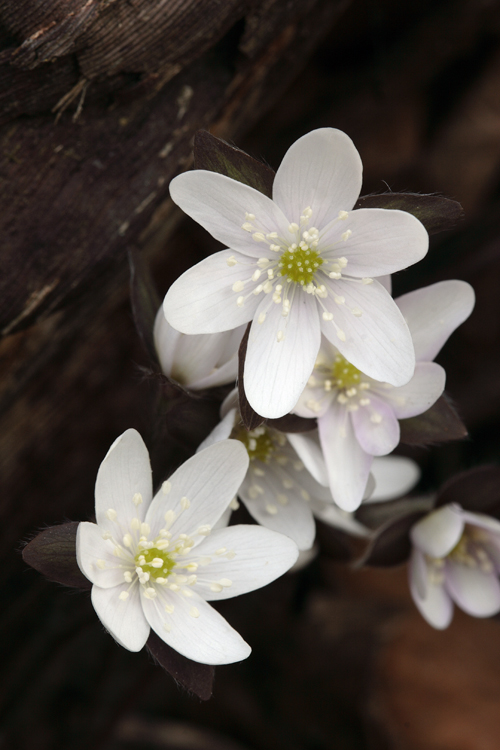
[259, 443]
[300, 265]
[158, 563]
[344, 374]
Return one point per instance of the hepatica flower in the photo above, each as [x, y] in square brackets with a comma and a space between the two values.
[357, 415]
[197, 362]
[155, 561]
[298, 265]
[455, 558]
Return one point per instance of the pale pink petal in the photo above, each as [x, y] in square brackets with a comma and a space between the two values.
[314, 401]
[394, 477]
[124, 619]
[209, 480]
[376, 427]
[433, 313]
[220, 205]
[276, 371]
[194, 628]
[202, 300]
[323, 171]
[417, 396]
[260, 556]
[382, 241]
[435, 605]
[278, 508]
[476, 592]
[377, 341]
[348, 465]
[482, 521]
[438, 532]
[123, 487]
[96, 559]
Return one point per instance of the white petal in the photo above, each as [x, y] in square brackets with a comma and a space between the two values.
[290, 513]
[433, 313]
[202, 300]
[347, 463]
[124, 475]
[377, 342]
[194, 628]
[220, 205]
[423, 390]
[321, 170]
[124, 619]
[334, 516]
[226, 368]
[438, 532]
[210, 479]
[382, 241]
[314, 401]
[307, 447]
[166, 339]
[475, 592]
[394, 477]
[196, 357]
[221, 431]
[261, 556]
[95, 557]
[376, 427]
[435, 606]
[482, 521]
[231, 401]
[276, 372]
[386, 282]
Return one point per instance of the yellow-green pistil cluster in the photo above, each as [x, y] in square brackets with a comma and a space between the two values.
[300, 265]
[259, 443]
[344, 375]
[157, 562]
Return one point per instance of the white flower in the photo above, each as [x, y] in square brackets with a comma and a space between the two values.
[197, 362]
[358, 416]
[455, 558]
[154, 562]
[278, 489]
[298, 265]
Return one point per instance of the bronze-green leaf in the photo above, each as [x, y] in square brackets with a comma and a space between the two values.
[439, 424]
[437, 214]
[53, 553]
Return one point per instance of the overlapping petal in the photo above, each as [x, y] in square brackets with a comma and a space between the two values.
[438, 532]
[434, 312]
[382, 241]
[307, 447]
[423, 390]
[322, 170]
[378, 341]
[394, 477]
[95, 556]
[276, 371]
[124, 474]
[475, 591]
[202, 300]
[124, 619]
[436, 605]
[376, 427]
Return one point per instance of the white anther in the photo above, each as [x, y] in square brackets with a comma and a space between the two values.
[357, 311]
[256, 275]
[327, 316]
[335, 275]
[287, 484]
[166, 487]
[135, 524]
[101, 564]
[376, 418]
[225, 582]
[150, 593]
[272, 236]
[216, 587]
[342, 398]
[145, 530]
[280, 336]
[342, 262]
[174, 587]
[231, 261]
[352, 407]
[286, 307]
[157, 562]
[263, 262]
[364, 401]
[238, 286]
[340, 335]
[185, 503]
[127, 540]
[343, 215]
[234, 504]
[252, 444]
[169, 517]
[306, 496]
[137, 499]
[321, 291]
[249, 217]
[194, 612]
[366, 281]
[313, 405]
[220, 551]
[169, 608]
[282, 499]
[204, 530]
[345, 236]
[271, 509]
[247, 227]
[123, 595]
[275, 248]
[293, 227]
[351, 392]
[107, 535]
[240, 301]
[258, 237]
[111, 514]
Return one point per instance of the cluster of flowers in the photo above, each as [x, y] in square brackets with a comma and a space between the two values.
[311, 279]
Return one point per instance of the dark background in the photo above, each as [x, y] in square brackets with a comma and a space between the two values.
[341, 659]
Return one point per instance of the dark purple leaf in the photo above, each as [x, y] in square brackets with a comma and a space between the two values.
[439, 424]
[195, 677]
[249, 417]
[293, 423]
[335, 543]
[437, 214]
[375, 515]
[217, 156]
[53, 553]
[145, 301]
[391, 546]
[477, 490]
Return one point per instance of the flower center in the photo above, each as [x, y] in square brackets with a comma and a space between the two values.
[259, 443]
[344, 375]
[158, 563]
[299, 265]
[470, 550]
